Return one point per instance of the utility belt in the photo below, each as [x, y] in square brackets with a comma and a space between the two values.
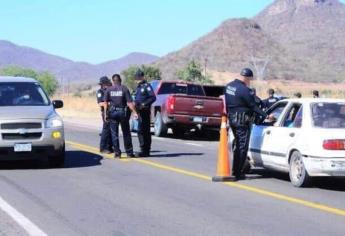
[117, 113]
[241, 118]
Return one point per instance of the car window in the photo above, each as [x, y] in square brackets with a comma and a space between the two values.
[22, 94]
[195, 90]
[275, 111]
[181, 88]
[290, 120]
[328, 115]
[154, 85]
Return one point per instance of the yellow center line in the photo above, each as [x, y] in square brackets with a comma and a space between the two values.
[299, 201]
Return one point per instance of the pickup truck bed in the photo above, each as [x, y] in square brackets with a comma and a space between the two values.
[184, 106]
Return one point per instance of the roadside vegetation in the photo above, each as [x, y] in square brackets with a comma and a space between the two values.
[46, 79]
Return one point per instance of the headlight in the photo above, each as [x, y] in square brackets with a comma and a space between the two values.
[54, 122]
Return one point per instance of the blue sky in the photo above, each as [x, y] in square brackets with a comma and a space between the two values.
[99, 30]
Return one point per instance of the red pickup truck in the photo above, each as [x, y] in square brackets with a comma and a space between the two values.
[183, 106]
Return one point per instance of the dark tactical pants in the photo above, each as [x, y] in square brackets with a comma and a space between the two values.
[240, 151]
[127, 137]
[106, 142]
[144, 131]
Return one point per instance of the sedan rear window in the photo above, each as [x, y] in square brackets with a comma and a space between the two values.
[22, 94]
[328, 115]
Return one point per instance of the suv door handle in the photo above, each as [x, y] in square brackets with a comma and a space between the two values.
[292, 135]
[268, 132]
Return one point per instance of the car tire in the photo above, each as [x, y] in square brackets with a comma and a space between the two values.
[58, 160]
[299, 176]
[160, 128]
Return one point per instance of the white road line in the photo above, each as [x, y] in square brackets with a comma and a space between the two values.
[20, 219]
[195, 144]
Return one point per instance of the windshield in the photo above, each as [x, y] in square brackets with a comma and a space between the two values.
[328, 115]
[22, 94]
[181, 88]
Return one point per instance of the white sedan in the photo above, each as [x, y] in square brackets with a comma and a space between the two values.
[306, 140]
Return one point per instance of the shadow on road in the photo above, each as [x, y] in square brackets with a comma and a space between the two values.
[327, 183]
[74, 159]
[197, 136]
[78, 159]
[333, 184]
[170, 155]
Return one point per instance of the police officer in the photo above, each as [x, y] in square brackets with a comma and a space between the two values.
[316, 94]
[298, 95]
[105, 142]
[144, 97]
[241, 106]
[126, 132]
[117, 98]
[268, 102]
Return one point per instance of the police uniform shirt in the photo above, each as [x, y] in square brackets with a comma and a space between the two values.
[240, 98]
[118, 96]
[100, 95]
[144, 95]
[270, 101]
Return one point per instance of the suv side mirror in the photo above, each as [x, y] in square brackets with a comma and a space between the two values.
[57, 104]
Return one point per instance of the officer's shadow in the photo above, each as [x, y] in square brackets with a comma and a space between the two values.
[163, 154]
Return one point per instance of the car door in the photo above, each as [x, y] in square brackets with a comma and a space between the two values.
[283, 136]
[259, 140]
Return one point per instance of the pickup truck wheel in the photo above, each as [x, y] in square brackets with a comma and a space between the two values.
[160, 129]
[298, 174]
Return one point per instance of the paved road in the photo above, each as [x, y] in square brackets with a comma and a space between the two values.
[167, 194]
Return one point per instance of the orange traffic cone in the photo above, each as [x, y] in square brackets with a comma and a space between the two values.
[223, 166]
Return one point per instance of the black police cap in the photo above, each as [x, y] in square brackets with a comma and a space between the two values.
[104, 80]
[139, 74]
[246, 72]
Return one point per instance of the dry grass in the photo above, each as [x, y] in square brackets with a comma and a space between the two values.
[86, 106]
[285, 87]
[83, 107]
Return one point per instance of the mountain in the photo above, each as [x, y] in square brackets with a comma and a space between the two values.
[312, 30]
[62, 68]
[300, 39]
[230, 47]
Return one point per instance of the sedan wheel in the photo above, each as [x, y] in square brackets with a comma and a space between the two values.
[298, 174]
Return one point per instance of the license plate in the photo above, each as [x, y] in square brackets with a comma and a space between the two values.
[197, 119]
[339, 165]
[22, 147]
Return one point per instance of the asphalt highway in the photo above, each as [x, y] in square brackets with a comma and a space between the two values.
[170, 193]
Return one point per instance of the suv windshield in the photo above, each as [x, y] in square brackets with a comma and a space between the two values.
[328, 115]
[181, 88]
[22, 94]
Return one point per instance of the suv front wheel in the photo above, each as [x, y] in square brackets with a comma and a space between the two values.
[58, 160]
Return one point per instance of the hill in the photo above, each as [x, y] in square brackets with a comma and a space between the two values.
[300, 39]
[62, 68]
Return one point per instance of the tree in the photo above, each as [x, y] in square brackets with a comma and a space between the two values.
[151, 73]
[46, 79]
[193, 73]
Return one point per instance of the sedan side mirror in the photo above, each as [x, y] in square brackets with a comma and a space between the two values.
[57, 104]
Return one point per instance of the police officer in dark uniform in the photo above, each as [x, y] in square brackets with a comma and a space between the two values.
[105, 143]
[144, 97]
[241, 108]
[316, 94]
[117, 98]
[268, 102]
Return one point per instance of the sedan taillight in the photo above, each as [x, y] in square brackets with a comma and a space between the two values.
[334, 144]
